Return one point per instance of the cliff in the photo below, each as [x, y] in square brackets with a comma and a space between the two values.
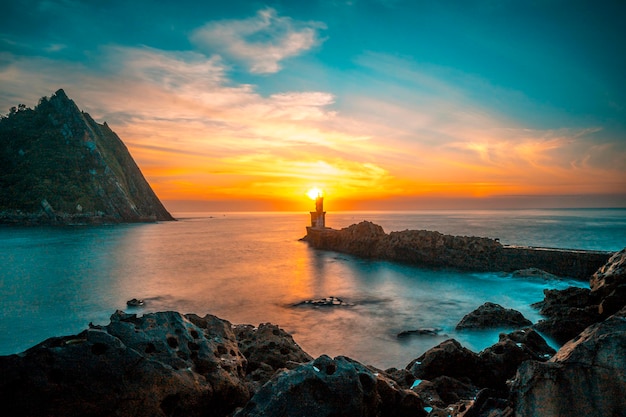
[58, 166]
[433, 249]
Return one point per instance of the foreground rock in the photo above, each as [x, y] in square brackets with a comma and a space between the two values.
[268, 349]
[58, 166]
[434, 249]
[329, 387]
[491, 315]
[568, 312]
[586, 377]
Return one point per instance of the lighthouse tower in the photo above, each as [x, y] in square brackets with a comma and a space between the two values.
[318, 217]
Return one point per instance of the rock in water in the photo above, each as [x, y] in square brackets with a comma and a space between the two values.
[57, 165]
[587, 376]
[491, 315]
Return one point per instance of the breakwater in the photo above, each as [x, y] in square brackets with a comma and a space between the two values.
[436, 250]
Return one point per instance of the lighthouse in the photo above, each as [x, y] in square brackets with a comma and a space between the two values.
[318, 217]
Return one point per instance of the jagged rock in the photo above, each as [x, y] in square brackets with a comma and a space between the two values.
[490, 315]
[586, 377]
[443, 391]
[448, 358]
[160, 364]
[268, 348]
[95, 374]
[58, 166]
[332, 387]
[568, 312]
[501, 360]
[609, 284]
[609, 276]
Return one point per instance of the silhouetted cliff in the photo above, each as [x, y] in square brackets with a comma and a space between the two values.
[57, 165]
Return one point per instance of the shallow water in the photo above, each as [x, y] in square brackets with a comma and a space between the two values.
[251, 268]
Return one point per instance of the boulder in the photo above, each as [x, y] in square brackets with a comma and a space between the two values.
[501, 360]
[534, 273]
[443, 391]
[587, 376]
[331, 301]
[568, 312]
[425, 331]
[332, 387]
[95, 374]
[160, 364]
[267, 349]
[448, 358]
[206, 345]
[490, 315]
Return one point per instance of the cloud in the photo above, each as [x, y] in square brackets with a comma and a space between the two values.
[261, 42]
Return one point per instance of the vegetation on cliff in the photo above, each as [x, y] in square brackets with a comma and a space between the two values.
[57, 164]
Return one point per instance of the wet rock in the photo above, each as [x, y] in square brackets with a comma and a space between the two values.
[568, 312]
[323, 302]
[588, 375]
[332, 387]
[448, 358]
[443, 391]
[426, 331]
[95, 374]
[501, 360]
[490, 315]
[534, 273]
[267, 349]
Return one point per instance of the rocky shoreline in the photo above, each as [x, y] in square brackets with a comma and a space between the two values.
[469, 253]
[170, 364]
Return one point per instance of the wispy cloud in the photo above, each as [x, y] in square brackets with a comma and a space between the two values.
[261, 42]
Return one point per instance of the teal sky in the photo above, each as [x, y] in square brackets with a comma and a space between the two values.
[480, 98]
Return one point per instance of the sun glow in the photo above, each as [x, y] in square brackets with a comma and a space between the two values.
[313, 193]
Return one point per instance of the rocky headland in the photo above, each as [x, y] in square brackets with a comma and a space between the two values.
[437, 250]
[170, 364]
[59, 166]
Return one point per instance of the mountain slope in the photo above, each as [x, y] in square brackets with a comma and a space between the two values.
[57, 165]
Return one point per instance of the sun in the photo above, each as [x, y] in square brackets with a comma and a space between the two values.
[313, 193]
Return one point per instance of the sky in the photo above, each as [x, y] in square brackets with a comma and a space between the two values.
[382, 104]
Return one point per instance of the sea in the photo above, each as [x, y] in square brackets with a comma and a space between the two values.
[252, 268]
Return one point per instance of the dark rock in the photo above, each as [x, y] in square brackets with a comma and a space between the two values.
[403, 377]
[534, 273]
[490, 315]
[426, 331]
[323, 302]
[501, 360]
[160, 364]
[95, 374]
[443, 391]
[586, 377]
[58, 166]
[332, 387]
[568, 313]
[268, 348]
[448, 358]
[613, 302]
[610, 276]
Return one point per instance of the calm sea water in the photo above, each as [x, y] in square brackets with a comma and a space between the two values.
[251, 268]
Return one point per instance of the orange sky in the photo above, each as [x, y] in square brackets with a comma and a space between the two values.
[241, 107]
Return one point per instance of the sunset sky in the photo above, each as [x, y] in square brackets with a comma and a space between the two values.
[383, 104]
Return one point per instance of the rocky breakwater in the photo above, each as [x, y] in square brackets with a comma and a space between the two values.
[59, 166]
[434, 249]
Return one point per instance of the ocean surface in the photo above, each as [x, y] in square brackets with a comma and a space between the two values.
[252, 268]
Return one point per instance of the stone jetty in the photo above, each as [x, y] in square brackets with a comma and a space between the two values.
[469, 253]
